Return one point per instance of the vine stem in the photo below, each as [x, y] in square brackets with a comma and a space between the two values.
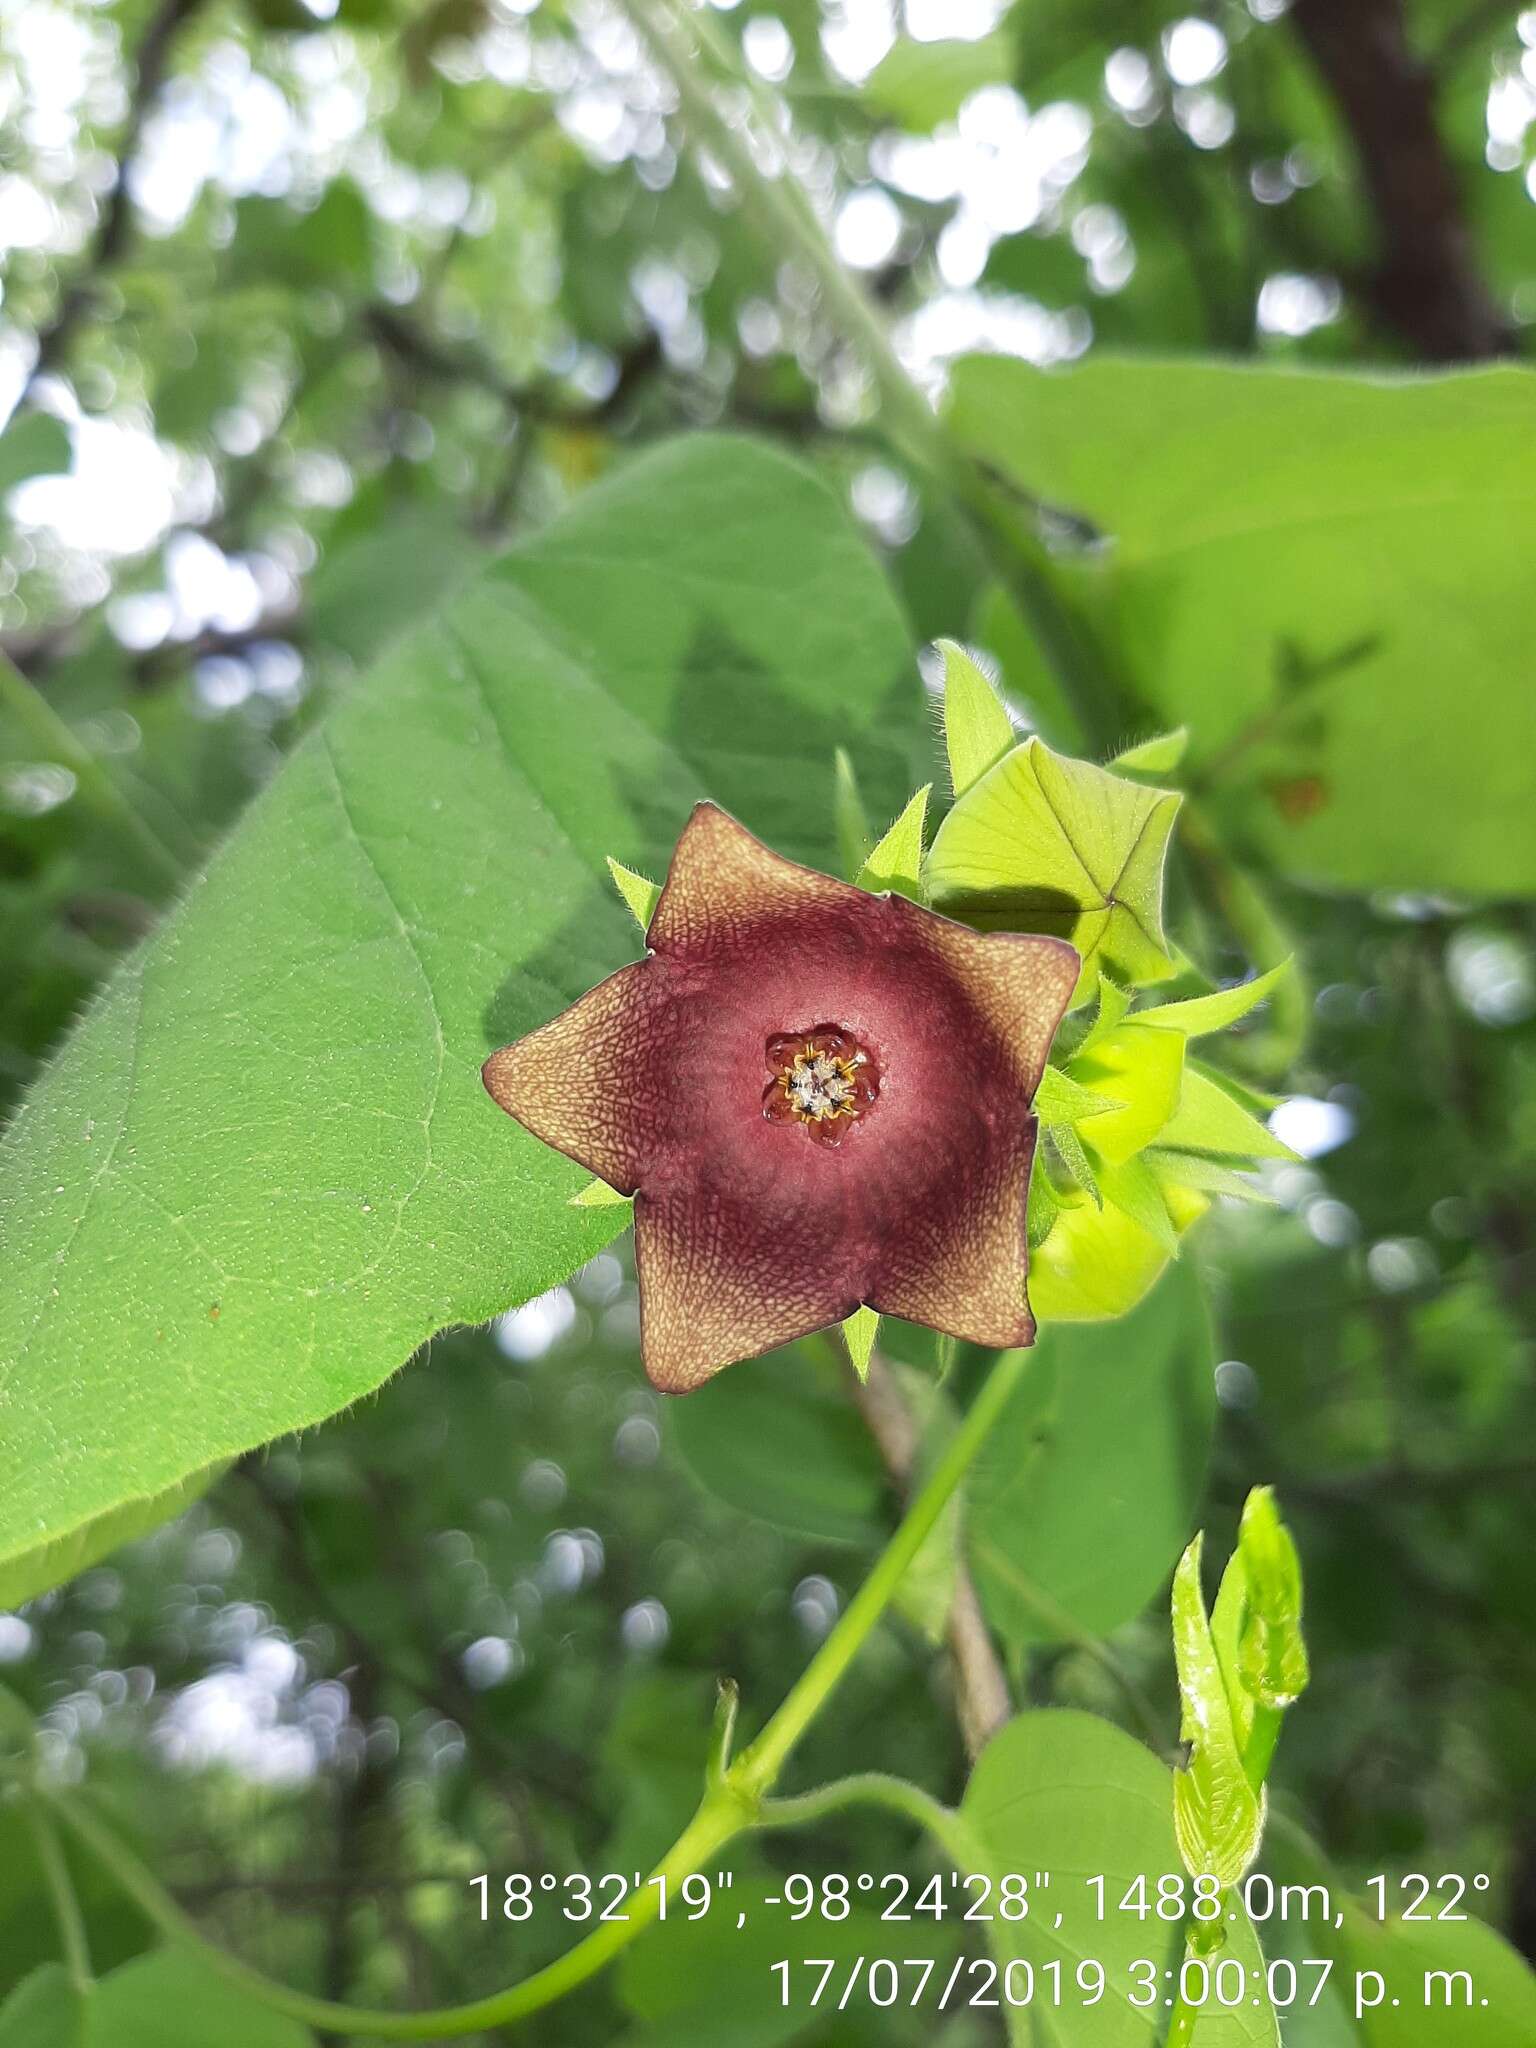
[58, 742]
[735, 1799]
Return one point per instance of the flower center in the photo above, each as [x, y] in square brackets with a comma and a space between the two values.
[823, 1080]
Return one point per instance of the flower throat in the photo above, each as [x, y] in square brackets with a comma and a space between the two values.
[823, 1080]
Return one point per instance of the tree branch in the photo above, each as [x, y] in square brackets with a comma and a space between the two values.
[1426, 285]
[151, 64]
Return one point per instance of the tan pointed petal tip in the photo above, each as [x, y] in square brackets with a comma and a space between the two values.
[723, 883]
[722, 1280]
[586, 1082]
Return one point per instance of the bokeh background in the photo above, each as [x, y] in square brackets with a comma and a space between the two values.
[308, 308]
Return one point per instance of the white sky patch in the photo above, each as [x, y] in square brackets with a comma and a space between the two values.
[1312, 1126]
[856, 34]
[953, 21]
[1293, 304]
[528, 1332]
[119, 497]
[1492, 976]
[868, 228]
[1194, 50]
[766, 45]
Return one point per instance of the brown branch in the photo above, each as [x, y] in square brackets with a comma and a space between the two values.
[151, 63]
[1426, 284]
[982, 1700]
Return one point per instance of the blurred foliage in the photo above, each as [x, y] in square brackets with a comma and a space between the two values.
[327, 313]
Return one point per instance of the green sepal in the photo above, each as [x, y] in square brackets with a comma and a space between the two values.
[1043, 1208]
[1159, 755]
[1063, 1141]
[1141, 1070]
[1209, 1176]
[1208, 1119]
[859, 1333]
[1061, 1100]
[977, 728]
[854, 837]
[896, 862]
[598, 1195]
[1114, 1004]
[1045, 843]
[640, 896]
[1202, 1014]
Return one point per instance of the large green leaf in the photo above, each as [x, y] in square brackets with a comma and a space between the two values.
[1072, 1797]
[44, 2011]
[1326, 576]
[264, 1169]
[169, 1999]
[1082, 1499]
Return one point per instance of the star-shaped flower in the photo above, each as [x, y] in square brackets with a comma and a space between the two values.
[819, 1098]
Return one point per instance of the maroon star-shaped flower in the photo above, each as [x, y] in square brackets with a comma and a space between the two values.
[818, 1098]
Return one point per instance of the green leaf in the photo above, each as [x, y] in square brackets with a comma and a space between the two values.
[1200, 1015]
[67, 1556]
[923, 84]
[1157, 756]
[1045, 843]
[170, 1999]
[382, 582]
[265, 1163]
[1218, 1814]
[977, 729]
[712, 1980]
[1493, 2005]
[1303, 563]
[859, 1334]
[1084, 1494]
[1061, 1100]
[854, 838]
[1073, 1796]
[787, 1445]
[897, 861]
[44, 2011]
[1209, 1120]
[639, 894]
[1141, 1070]
[36, 444]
